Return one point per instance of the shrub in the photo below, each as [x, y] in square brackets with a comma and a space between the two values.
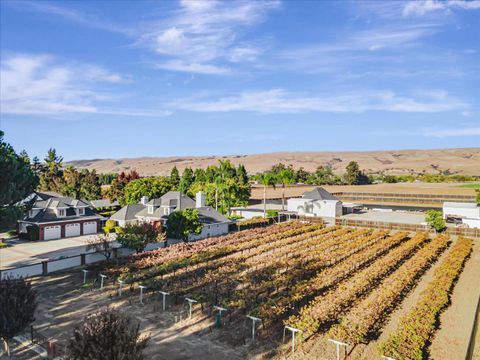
[118, 230]
[272, 213]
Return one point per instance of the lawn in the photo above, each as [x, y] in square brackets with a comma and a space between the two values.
[471, 186]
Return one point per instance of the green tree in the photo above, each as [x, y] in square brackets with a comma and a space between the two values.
[242, 175]
[174, 177]
[186, 181]
[266, 179]
[17, 179]
[153, 187]
[200, 176]
[72, 182]
[182, 223]
[90, 188]
[116, 190]
[51, 179]
[324, 175]
[107, 335]
[18, 300]
[285, 177]
[352, 176]
[137, 236]
[434, 218]
[301, 175]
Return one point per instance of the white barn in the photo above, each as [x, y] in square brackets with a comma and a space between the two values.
[317, 202]
[469, 213]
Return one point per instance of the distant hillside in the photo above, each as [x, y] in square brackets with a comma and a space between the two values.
[456, 161]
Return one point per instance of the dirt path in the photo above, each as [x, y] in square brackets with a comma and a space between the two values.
[62, 304]
[456, 322]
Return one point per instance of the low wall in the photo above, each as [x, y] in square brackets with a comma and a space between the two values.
[49, 266]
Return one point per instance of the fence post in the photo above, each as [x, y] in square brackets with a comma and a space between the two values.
[45, 267]
[82, 259]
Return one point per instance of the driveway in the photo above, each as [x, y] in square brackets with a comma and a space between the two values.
[23, 252]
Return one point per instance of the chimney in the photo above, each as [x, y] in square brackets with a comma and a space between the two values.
[200, 199]
[144, 200]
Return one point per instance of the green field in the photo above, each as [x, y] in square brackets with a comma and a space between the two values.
[471, 186]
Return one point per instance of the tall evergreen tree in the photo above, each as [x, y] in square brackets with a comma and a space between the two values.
[175, 177]
[186, 181]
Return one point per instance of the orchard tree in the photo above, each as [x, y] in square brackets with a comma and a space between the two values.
[353, 173]
[137, 236]
[107, 335]
[18, 304]
[182, 223]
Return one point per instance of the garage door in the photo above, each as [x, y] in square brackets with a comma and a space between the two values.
[90, 228]
[72, 229]
[52, 232]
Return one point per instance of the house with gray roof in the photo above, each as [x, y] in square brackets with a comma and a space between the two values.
[156, 212]
[54, 217]
[316, 202]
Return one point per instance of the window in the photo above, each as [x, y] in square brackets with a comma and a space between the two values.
[61, 212]
[81, 211]
[150, 209]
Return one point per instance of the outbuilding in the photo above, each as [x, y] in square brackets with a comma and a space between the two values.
[467, 213]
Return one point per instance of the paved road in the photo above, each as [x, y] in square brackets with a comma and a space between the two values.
[22, 252]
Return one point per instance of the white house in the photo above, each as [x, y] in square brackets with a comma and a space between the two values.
[469, 213]
[317, 202]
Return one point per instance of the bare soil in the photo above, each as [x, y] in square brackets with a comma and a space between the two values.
[456, 161]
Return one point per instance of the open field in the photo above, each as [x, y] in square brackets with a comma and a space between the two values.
[327, 281]
[456, 161]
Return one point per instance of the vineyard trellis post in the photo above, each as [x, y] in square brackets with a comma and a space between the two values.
[120, 285]
[190, 304]
[164, 295]
[84, 275]
[102, 277]
[340, 344]
[142, 287]
[293, 331]
[220, 309]
[254, 321]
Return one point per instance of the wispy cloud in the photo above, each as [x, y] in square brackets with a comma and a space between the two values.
[422, 7]
[453, 132]
[41, 84]
[72, 15]
[282, 101]
[206, 36]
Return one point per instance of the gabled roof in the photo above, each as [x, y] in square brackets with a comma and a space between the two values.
[172, 198]
[208, 215]
[49, 215]
[128, 212]
[318, 194]
[103, 203]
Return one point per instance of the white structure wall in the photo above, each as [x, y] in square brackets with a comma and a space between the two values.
[464, 210]
[322, 208]
[210, 230]
[472, 223]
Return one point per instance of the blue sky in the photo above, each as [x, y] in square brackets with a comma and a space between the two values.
[104, 79]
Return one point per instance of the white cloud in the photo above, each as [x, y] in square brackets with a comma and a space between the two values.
[282, 101]
[454, 132]
[204, 36]
[69, 14]
[422, 7]
[40, 84]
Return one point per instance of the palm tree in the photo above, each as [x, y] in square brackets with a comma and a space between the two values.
[285, 177]
[266, 179]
